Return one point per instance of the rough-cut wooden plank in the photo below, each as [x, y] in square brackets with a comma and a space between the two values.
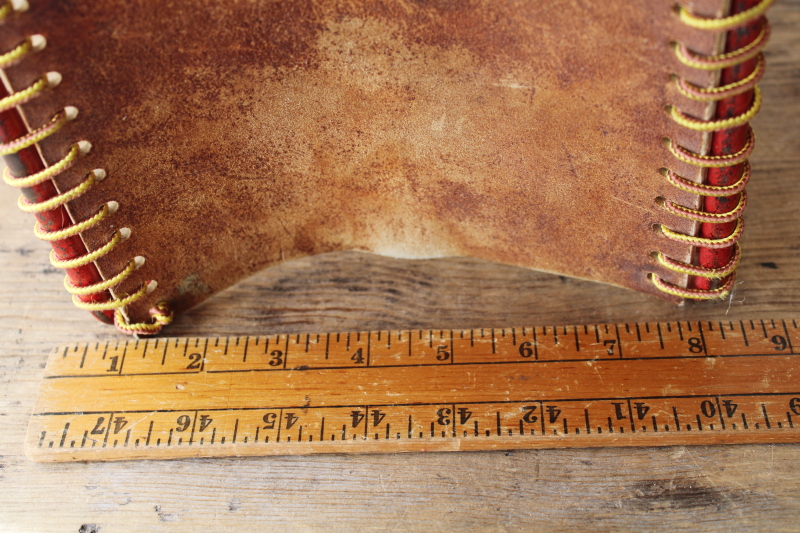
[735, 488]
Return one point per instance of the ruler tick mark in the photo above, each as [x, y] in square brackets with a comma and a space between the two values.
[83, 358]
[788, 337]
[64, 435]
[702, 339]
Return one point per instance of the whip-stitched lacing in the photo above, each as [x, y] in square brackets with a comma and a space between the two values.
[710, 190]
[713, 94]
[694, 294]
[729, 59]
[160, 314]
[718, 161]
[703, 216]
[725, 23]
[714, 62]
[717, 125]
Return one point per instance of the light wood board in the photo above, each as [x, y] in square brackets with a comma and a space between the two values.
[600, 385]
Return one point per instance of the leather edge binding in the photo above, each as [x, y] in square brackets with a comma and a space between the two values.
[722, 196]
[27, 170]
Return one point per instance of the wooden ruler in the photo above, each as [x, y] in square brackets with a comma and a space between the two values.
[644, 384]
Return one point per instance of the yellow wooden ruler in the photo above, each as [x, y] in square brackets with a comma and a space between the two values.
[644, 384]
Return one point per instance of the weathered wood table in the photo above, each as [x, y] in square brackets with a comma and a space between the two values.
[734, 488]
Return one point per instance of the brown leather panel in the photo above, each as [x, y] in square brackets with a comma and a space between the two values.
[237, 134]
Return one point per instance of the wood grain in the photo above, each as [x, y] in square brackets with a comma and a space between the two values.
[670, 383]
[733, 488]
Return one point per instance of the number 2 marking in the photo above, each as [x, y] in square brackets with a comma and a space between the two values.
[195, 359]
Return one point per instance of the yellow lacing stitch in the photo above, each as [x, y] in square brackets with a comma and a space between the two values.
[9, 58]
[69, 231]
[91, 257]
[55, 124]
[44, 175]
[58, 200]
[703, 216]
[694, 270]
[711, 94]
[694, 92]
[111, 304]
[717, 125]
[717, 191]
[704, 242]
[694, 294]
[160, 313]
[25, 95]
[726, 23]
[103, 285]
[708, 161]
[726, 60]
[5, 10]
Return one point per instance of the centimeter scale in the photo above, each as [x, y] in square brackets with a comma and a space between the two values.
[644, 384]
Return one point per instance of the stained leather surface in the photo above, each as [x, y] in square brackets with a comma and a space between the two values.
[237, 134]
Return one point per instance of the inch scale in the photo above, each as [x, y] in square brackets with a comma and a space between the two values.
[642, 384]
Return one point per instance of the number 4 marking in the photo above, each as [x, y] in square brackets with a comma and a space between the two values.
[205, 421]
[610, 346]
[358, 357]
[119, 423]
